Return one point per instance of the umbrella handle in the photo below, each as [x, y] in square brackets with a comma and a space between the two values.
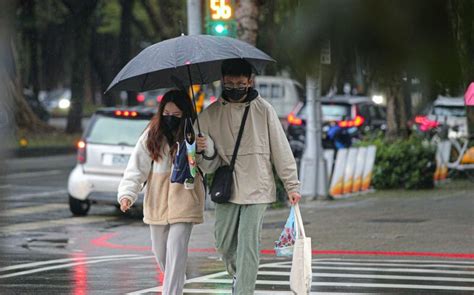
[194, 99]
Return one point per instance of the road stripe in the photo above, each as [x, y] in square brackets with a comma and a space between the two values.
[223, 282]
[32, 174]
[36, 270]
[350, 284]
[393, 264]
[14, 228]
[54, 261]
[32, 209]
[33, 195]
[413, 262]
[392, 286]
[371, 276]
[259, 292]
[418, 270]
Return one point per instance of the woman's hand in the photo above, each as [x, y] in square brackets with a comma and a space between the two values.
[201, 143]
[125, 204]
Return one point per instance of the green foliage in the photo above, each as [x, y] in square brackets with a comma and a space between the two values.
[109, 13]
[408, 164]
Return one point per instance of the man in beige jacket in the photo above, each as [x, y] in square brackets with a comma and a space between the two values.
[263, 145]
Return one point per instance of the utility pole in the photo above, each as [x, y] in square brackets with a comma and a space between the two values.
[308, 162]
[194, 17]
[313, 171]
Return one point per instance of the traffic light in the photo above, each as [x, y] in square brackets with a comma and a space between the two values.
[219, 29]
[220, 18]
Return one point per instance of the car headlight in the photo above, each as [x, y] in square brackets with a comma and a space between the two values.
[64, 103]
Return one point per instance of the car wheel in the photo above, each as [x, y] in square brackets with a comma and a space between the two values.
[79, 207]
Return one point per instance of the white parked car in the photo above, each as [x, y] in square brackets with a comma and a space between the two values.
[103, 154]
[283, 93]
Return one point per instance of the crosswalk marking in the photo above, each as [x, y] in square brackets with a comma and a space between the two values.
[68, 265]
[367, 276]
[414, 270]
[57, 261]
[33, 209]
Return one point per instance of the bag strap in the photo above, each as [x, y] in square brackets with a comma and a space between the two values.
[299, 222]
[239, 137]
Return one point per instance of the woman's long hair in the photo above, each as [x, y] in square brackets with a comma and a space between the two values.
[158, 136]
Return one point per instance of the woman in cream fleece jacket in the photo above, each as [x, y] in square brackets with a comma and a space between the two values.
[169, 208]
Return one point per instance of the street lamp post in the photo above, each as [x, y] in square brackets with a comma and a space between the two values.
[194, 17]
[313, 170]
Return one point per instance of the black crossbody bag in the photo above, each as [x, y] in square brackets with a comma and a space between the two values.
[221, 189]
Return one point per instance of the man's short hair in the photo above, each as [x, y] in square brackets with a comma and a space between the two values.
[236, 67]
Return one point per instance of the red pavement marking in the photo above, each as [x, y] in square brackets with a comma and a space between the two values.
[103, 241]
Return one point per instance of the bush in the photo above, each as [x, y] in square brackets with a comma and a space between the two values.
[408, 164]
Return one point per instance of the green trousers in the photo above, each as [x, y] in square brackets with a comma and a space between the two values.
[237, 233]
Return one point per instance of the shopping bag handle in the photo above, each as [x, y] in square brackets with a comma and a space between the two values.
[299, 221]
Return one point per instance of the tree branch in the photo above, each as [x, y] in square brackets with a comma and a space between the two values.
[141, 27]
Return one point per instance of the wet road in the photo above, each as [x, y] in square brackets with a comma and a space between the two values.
[47, 251]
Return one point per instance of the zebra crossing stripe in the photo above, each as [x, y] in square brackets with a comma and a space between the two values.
[394, 264]
[67, 265]
[453, 263]
[57, 261]
[411, 270]
[392, 286]
[341, 267]
[366, 285]
[370, 276]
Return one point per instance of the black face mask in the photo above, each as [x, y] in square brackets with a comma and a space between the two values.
[172, 123]
[234, 94]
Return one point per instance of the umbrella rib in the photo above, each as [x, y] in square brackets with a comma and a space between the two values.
[236, 48]
[144, 81]
[175, 53]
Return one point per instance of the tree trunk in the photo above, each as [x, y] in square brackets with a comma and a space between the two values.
[12, 99]
[125, 42]
[82, 12]
[462, 22]
[30, 32]
[395, 105]
[246, 15]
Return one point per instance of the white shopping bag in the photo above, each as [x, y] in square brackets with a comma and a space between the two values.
[301, 273]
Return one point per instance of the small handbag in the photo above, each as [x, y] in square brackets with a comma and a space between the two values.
[221, 188]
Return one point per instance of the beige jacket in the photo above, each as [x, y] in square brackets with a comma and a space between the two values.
[165, 202]
[263, 144]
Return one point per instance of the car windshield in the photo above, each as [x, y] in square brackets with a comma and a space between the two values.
[331, 112]
[116, 131]
[454, 111]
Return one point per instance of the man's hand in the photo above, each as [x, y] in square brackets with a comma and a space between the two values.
[201, 143]
[294, 198]
[125, 204]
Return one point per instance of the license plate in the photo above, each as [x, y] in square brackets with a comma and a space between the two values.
[116, 159]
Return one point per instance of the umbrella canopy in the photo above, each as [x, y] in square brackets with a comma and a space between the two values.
[190, 60]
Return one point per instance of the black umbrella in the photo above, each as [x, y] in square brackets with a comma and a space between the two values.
[185, 60]
[198, 55]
